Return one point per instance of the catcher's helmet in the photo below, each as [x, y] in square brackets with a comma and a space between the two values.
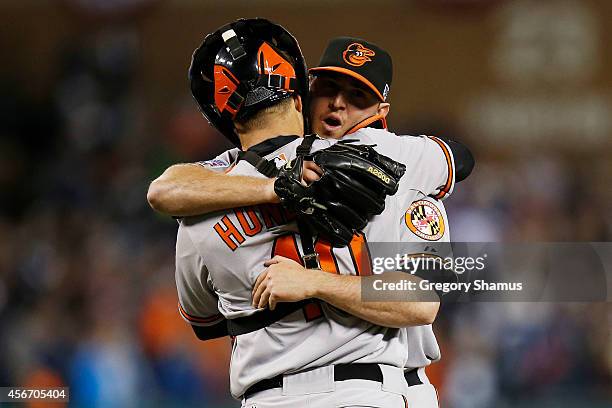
[243, 67]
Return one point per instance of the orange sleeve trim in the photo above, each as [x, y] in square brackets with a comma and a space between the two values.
[449, 162]
[197, 319]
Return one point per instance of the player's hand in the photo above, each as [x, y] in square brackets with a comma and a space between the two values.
[284, 280]
[311, 172]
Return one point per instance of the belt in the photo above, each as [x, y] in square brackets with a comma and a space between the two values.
[342, 372]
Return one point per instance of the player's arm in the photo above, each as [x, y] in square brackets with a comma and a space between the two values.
[193, 189]
[287, 281]
[344, 292]
[435, 164]
[197, 300]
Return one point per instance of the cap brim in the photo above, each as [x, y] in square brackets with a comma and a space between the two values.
[353, 74]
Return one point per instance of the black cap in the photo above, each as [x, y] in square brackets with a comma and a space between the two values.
[361, 60]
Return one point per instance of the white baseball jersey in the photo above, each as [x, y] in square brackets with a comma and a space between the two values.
[220, 255]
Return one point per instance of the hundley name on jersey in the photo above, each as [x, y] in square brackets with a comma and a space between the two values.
[250, 222]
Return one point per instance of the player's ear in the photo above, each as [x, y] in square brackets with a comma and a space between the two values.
[297, 100]
[383, 109]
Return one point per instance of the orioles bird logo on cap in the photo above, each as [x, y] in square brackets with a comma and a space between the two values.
[357, 55]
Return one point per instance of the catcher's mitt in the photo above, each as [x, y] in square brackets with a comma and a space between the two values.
[353, 187]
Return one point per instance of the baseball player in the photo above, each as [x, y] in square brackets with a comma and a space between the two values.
[237, 236]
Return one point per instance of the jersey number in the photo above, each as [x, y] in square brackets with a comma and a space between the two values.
[286, 246]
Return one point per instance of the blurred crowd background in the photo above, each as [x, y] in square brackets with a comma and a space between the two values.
[94, 104]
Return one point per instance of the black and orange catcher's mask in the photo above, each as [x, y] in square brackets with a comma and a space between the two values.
[244, 67]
